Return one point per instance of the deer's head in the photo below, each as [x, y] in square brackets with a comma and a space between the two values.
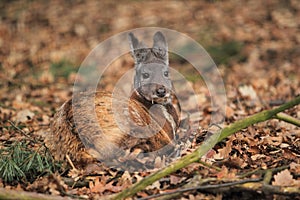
[152, 79]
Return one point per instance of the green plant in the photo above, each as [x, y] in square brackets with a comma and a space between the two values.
[18, 161]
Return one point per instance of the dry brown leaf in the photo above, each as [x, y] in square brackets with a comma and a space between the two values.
[126, 179]
[112, 188]
[229, 112]
[155, 185]
[248, 91]
[269, 140]
[258, 157]
[288, 154]
[225, 174]
[283, 178]
[97, 186]
[175, 179]
[225, 151]
[24, 116]
[210, 154]
[295, 167]
[254, 150]
[238, 162]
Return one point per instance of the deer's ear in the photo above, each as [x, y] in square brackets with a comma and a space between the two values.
[160, 46]
[133, 41]
[159, 41]
[138, 49]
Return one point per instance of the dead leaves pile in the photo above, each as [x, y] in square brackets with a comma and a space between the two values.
[37, 36]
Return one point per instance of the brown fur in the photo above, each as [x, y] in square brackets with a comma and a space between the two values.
[98, 130]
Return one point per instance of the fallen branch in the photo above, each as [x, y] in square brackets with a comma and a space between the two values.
[288, 119]
[256, 118]
[76, 184]
[204, 187]
[292, 191]
[251, 185]
[22, 195]
[205, 147]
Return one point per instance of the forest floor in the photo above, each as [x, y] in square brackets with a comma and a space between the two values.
[255, 44]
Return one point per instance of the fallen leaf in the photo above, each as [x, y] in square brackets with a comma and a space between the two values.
[247, 91]
[229, 112]
[224, 173]
[225, 151]
[97, 187]
[274, 141]
[175, 179]
[295, 167]
[283, 178]
[155, 185]
[24, 116]
[257, 157]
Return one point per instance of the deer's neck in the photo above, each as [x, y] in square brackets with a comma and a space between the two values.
[168, 110]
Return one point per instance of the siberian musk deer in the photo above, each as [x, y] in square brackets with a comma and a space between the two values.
[147, 121]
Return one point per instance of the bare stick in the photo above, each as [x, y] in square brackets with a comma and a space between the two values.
[70, 162]
[22, 195]
[204, 187]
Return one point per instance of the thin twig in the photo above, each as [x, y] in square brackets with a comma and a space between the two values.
[20, 130]
[255, 171]
[22, 195]
[76, 184]
[25, 134]
[209, 166]
[70, 162]
[263, 171]
[204, 187]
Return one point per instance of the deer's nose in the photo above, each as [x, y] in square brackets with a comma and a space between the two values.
[161, 91]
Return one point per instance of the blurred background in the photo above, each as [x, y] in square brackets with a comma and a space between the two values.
[42, 44]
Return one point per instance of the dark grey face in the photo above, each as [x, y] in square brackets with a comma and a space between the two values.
[152, 79]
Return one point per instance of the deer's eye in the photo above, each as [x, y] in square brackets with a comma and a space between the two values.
[166, 73]
[145, 75]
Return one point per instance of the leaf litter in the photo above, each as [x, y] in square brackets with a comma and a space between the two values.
[43, 43]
